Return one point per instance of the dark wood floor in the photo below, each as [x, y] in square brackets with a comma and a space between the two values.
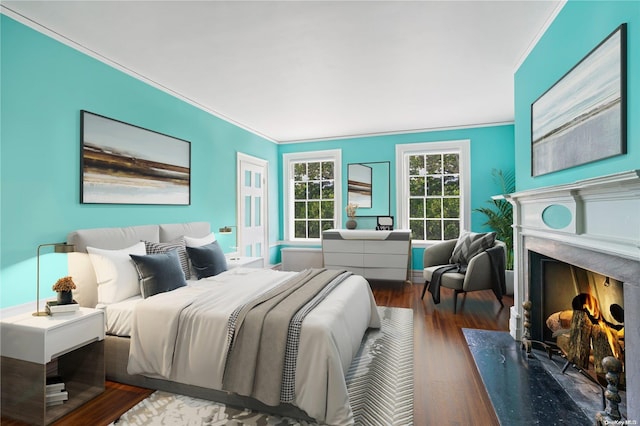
[448, 389]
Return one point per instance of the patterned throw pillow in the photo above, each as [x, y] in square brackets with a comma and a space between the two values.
[470, 244]
[177, 244]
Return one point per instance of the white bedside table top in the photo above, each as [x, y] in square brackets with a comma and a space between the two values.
[40, 339]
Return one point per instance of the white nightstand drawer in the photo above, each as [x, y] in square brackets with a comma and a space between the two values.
[39, 339]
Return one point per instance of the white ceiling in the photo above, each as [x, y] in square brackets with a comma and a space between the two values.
[301, 70]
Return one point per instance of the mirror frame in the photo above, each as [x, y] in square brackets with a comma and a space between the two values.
[373, 178]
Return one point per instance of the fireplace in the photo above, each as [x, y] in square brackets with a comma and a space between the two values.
[582, 240]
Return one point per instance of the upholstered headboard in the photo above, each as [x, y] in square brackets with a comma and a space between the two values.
[80, 267]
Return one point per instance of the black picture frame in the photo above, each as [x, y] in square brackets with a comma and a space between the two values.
[582, 117]
[126, 164]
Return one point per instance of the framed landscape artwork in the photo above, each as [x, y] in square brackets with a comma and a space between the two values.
[582, 117]
[125, 164]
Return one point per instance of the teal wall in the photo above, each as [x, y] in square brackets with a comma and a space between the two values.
[44, 85]
[579, 27]
[492, 147]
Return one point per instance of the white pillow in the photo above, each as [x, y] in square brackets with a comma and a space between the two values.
[199, 242]
[116, 273]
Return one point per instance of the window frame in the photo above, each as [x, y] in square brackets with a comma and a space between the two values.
[288, 160]
[403, 151]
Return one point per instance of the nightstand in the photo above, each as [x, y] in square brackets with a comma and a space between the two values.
[245, 262]
[67, 345]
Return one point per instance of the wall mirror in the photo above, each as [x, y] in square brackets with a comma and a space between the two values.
[368, 186]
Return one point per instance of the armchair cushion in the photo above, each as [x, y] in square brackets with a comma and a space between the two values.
[470, 244]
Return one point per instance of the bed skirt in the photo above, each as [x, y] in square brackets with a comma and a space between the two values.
[117, 357]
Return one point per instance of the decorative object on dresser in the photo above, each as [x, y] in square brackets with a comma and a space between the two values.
[382, 255]
[51, 365]
[384, 223]
[351, 214]
[58, 248]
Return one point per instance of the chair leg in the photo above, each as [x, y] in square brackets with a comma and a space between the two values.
[455, 300]
[424, 290]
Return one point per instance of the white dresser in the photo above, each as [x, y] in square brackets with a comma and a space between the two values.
[378, 255]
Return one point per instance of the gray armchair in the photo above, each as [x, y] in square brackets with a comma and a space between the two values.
[480, 275]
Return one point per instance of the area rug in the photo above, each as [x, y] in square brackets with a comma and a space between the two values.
[379, 382]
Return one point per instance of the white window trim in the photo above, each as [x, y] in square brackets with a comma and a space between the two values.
[287, 172]
[462, 148]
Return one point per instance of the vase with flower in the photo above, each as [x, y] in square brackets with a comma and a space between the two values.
[351, 213]
[64, 287]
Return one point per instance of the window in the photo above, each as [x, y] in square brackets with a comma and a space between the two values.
[313, 193]
[433, 189]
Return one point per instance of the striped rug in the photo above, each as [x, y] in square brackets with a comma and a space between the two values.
[379, 382]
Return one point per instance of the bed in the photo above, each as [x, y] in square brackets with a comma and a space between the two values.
[179, 340]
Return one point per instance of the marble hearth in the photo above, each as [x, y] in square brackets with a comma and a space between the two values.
[593, 224]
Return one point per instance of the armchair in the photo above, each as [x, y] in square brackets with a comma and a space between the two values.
[480, 273]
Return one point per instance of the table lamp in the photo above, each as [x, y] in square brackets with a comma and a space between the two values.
[57, 248]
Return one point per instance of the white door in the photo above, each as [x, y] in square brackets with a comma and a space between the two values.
[252, 208]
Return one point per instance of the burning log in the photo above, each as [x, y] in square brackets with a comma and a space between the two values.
[579, 345]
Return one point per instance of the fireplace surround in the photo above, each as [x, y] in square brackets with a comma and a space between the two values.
[593, 224]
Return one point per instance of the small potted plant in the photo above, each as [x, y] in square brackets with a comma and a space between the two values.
[63, 287]
[351, 213]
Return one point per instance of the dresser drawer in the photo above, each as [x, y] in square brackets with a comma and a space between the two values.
[387, 247]
[343, 246]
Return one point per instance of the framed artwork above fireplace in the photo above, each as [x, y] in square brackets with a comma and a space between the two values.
[582, 117]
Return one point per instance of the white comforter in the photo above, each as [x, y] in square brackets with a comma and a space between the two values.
[182, 336]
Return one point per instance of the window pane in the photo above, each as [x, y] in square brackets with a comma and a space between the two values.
[314, 229]
[258, 250]
[434, 164]
[451, 163]
[417, 229]
[416, 164]
[326, 208]
[300, 210]
[451, 229]
[416, 186]
[314, 190]
[300, 229]
[300, 191]
[299, 171]
[313, 210]
[327, 170]
[314, 171]
[416, 207]
[258, 180]
[327, 224]
[247, 178]
[327, 190]
[434, 185]
[434, 230]
[451, 207]
[451, 185]
[434, 208]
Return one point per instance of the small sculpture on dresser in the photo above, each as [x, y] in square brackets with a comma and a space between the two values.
[351, 213]
[63, 287]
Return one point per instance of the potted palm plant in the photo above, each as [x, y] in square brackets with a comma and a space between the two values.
[499, 215]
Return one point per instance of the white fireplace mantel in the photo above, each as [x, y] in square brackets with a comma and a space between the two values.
[599, 215]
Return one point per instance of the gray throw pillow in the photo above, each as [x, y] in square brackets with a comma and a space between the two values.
[471, 244]
[159, 273]
[177, 244]
[207, 260]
